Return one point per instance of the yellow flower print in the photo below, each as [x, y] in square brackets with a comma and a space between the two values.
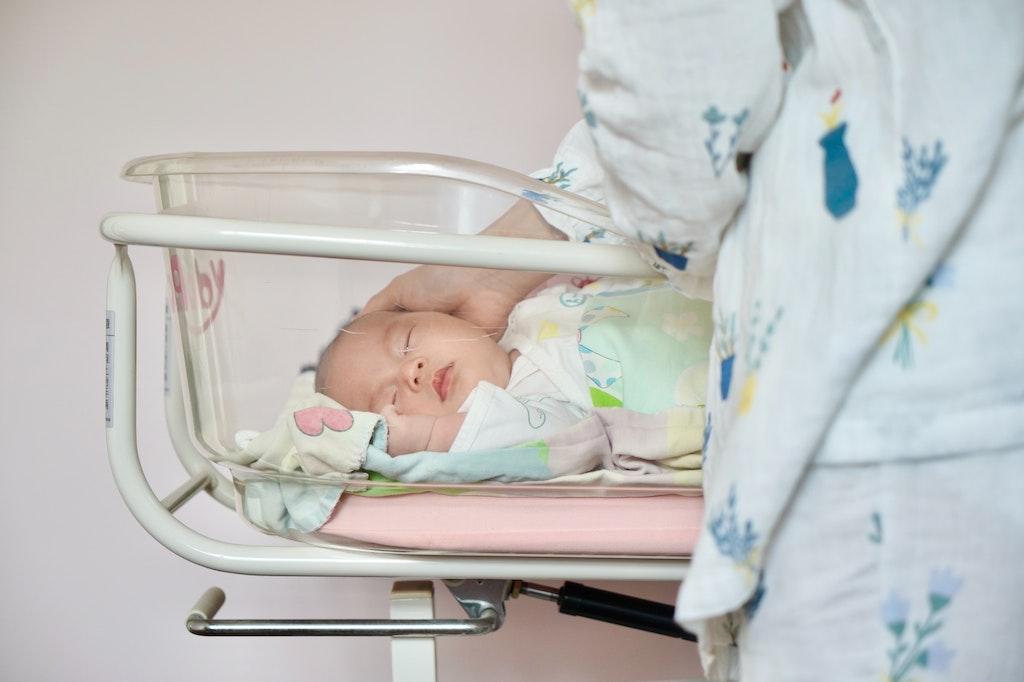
[907, 326]
[907, 224]
[747, 393]
[583, 9]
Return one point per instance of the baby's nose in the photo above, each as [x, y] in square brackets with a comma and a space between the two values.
[415, 374]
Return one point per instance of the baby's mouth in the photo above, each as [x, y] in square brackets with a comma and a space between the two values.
[442, 381]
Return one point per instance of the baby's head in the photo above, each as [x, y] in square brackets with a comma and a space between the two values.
[421, 362]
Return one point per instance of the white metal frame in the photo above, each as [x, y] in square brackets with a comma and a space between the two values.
[340, 242]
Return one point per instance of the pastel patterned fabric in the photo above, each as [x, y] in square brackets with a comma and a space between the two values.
[591, 346]
[843, 178]
[609, 447]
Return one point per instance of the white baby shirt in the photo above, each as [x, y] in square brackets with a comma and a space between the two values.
[547, 390]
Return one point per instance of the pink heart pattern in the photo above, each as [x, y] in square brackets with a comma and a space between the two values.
[312, 420]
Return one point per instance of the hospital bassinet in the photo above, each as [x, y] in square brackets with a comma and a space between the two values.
[266, 254]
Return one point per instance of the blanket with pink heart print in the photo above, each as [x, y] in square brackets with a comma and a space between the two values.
[313, 435]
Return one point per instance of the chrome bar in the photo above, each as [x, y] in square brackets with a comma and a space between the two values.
[538, 591]
[481, 251]
[200, 621]
[186, 491]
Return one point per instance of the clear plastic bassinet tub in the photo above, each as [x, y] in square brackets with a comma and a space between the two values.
[295, 242]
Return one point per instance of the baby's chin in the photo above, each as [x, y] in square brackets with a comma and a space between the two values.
[455, 401]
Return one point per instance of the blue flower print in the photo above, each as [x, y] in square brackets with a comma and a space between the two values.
[707, 437]
[909, 322]
[757, 346]
[559, 177]
[875, 536]
[895, 610]
[675, 254]
[942, 586]
[588, 114]
[676, 260]
[923, 649]
[721, 151]
[733, 540]
[937, 657]
[725, 349]
[750, 608]
[535, 197]
[921, 169]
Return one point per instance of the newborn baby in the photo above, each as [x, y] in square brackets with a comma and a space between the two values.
[443, 384]
[415, 369]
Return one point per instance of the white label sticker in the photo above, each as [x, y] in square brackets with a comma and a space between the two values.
[109, 400]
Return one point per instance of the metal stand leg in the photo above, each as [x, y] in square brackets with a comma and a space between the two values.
[413, 659]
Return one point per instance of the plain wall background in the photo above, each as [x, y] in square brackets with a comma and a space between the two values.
[86, 86]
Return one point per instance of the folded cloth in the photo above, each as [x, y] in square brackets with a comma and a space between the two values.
[653, 443]
[315, 437]
[283, 507]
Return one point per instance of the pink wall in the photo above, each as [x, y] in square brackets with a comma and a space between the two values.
[85, 86]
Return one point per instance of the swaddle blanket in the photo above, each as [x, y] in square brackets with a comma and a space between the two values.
[315, 437]
[609, 447]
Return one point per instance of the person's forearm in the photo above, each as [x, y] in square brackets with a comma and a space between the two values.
[523, 220]
[483, 296]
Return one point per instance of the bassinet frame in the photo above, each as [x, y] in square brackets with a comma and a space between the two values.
[295, 239]
[491, 576]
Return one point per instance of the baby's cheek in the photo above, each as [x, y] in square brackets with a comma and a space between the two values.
[423, 403]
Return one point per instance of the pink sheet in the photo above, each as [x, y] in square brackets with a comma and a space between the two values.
[646, 526]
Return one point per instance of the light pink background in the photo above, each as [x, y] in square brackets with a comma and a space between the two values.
[86, 86]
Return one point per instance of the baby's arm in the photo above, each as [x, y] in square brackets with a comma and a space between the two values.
[417, 432]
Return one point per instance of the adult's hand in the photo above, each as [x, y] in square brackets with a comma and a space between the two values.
[481, 296]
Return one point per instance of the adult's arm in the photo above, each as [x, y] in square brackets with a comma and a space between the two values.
[482, 296]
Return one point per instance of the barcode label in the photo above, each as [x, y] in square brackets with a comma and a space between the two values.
[109, 399]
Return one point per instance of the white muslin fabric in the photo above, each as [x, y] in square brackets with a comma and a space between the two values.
[843, 178]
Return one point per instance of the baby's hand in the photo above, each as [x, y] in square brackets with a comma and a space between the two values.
[407, 432]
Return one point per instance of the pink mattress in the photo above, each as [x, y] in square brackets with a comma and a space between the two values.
[665, 525]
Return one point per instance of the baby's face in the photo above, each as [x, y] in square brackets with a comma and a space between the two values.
[422, 363]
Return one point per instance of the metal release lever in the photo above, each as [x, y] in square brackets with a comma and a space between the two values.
[575, 599]
[200, 621]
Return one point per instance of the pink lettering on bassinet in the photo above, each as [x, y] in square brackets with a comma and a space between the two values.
[312, 420]
[210, 288]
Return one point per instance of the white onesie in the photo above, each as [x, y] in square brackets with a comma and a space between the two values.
[548, 388]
